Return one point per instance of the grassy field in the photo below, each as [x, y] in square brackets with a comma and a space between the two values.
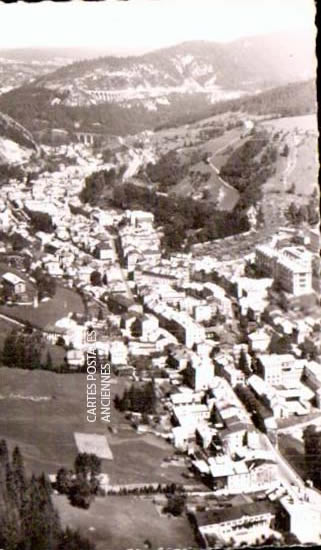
[304, 175]
[45, 429]
[301, 123]
[119, 523]
[64, 302]
[226, 198]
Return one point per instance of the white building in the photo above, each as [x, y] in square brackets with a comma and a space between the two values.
[291, 267]
[199, 372]
[281, 369]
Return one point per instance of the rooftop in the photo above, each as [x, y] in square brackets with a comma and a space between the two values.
[218, 516]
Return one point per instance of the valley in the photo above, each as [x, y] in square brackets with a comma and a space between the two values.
[159, 297]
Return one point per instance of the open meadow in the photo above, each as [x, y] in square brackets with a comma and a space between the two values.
[40, 411]
[122, 522]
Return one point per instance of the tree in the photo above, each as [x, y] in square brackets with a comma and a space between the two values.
[41, 221]
[18, 242]
[260, 216]
[313, 212]
[312, 449]
[95, 278]
[175, 504]
[293, 214]
[80, 494]
[46, 284]
[141, 399]
[88, 467]
[48, 363]
[309, 350]
[280, 344]
[117, 401]
[19, 475]
[243, 363]
[64, 481]
[9, 351]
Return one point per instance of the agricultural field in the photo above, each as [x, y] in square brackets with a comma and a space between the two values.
[58, 401]
[122, 522]
[93, 443]
[305, 123]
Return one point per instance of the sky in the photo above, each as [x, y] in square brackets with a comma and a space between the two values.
[136, 26]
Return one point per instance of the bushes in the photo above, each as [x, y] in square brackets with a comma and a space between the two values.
[167, 171]
[41, 221]
[140, 399]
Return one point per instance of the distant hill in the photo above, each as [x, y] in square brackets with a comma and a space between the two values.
[10, 129]
[125, 95]
[245, 64]
[16, 143]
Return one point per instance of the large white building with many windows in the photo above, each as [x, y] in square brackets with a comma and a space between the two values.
[291, 267]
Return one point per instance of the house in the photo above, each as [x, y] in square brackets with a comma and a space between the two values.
[243, 523]
[259, 341]
[233, 375]
[146, 328]
[268, 396]
[242, 476]
[301, 518]
[183, 436]
[53, 268]
[204, 435]
[140, 218]
[186, 330]
[233, 438]
[13, 284]
[105, 251]
[118, 353]
[314, 240]
[118, 303]
[199, 372]
[84, 274]
[191, 415]
[75, 358]
[127, 321]
[125, 370]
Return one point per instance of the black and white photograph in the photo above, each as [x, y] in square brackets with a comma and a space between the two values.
[160, 305]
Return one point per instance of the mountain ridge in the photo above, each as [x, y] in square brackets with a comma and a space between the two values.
[272, 59]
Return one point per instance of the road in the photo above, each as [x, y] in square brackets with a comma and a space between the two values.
[121, 271]
[216, 170]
